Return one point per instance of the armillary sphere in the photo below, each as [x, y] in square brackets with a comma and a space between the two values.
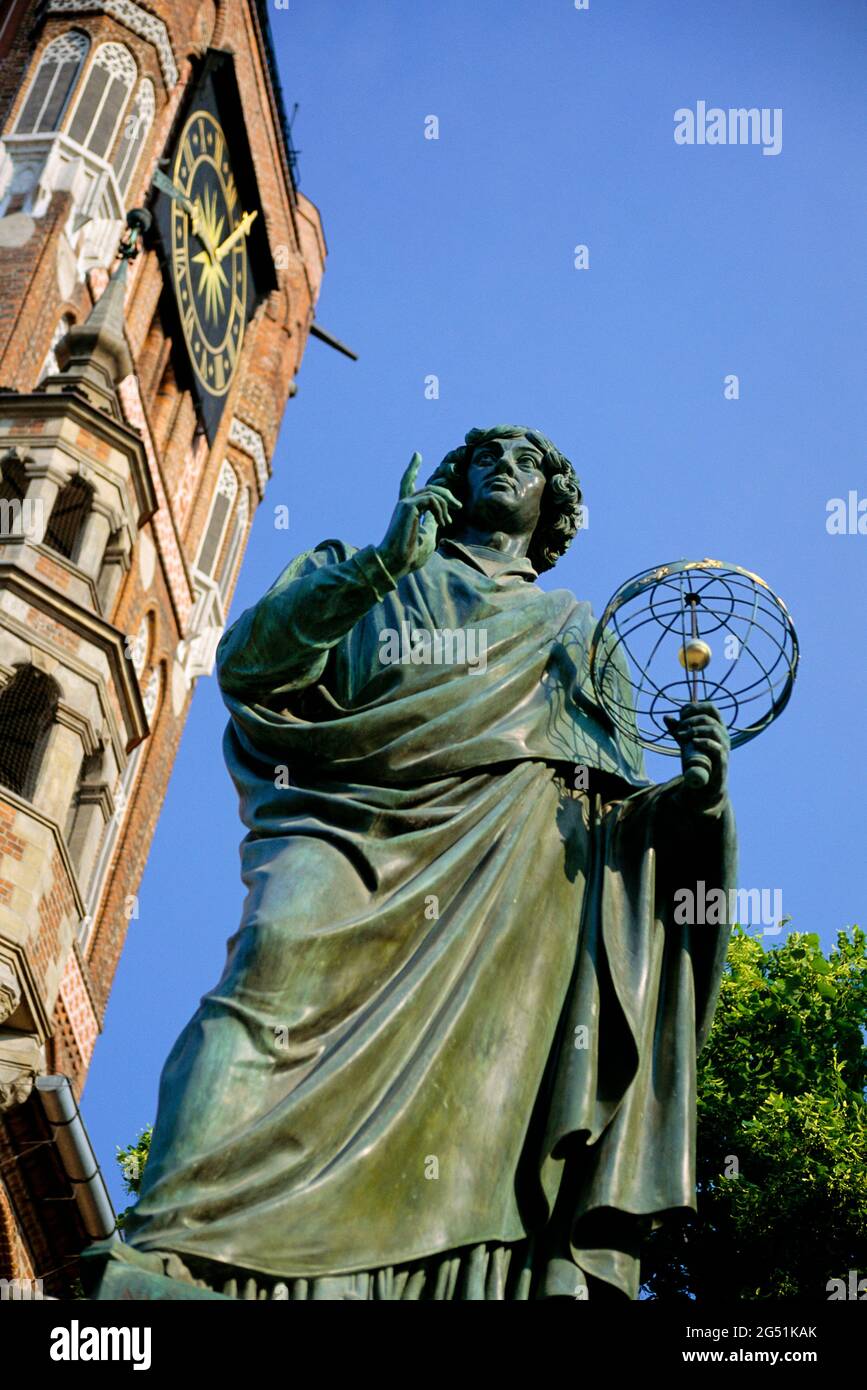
[693, 630]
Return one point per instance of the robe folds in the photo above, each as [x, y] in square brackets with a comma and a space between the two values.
[454, 1043]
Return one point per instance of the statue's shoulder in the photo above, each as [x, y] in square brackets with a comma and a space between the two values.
[578, 610]
[319, 557]
[334, 549]
[327, 552]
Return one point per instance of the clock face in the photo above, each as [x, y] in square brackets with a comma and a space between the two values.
[209, 252]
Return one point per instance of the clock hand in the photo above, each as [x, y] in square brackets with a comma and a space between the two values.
[201, 232]
[242, 229]
[193, 210]
[166, 186]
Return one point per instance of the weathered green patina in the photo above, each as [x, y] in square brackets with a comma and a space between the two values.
[452, 1053]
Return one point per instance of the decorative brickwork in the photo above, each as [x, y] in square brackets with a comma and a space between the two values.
[77, 1002]
[134, 17]
[56, 910]
[118, 621]
[173, 562]
[14, 1256]
[68, 1058]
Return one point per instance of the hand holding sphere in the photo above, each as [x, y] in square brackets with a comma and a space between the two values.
[697, 715]
[704, 746]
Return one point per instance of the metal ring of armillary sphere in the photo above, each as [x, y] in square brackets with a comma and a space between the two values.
[693, 630]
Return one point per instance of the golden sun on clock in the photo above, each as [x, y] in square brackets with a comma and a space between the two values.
[209, 252]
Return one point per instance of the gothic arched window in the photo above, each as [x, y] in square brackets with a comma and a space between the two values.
[67, 517]
[134, 133]
[28, 705]
[103, 98]
[235, 542]
[224, 497]
[52, 85]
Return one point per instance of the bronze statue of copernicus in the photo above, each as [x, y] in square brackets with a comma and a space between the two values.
[452, 1054]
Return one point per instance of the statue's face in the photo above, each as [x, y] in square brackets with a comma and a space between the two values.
[504, 484]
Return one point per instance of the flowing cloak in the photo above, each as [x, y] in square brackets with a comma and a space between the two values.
[459, 1021]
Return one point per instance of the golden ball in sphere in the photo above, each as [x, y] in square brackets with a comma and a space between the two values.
[695, 655]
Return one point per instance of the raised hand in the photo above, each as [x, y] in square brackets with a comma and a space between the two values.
[412, 531]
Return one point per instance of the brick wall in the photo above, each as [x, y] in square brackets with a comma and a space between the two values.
[15, 1261]
[185, 473]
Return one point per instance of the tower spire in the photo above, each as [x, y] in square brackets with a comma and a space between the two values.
[93, 356]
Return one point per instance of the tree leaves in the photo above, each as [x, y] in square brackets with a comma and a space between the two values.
[782, 1099]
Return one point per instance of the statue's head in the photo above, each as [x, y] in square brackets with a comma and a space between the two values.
[513, 479]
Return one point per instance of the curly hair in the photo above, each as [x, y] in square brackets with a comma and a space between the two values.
[560, 513]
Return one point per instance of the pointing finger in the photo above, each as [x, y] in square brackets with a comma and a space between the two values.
[407, 482]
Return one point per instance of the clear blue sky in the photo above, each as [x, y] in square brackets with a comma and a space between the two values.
[455, 257]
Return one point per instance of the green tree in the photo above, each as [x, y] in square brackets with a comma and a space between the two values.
[782, 1130]
[132, 1161]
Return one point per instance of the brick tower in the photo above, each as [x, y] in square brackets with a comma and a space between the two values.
[140, 401]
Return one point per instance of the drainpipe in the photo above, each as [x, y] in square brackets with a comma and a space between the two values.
[77, 1156]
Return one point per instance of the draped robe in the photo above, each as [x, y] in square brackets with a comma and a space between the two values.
[453, 1050]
